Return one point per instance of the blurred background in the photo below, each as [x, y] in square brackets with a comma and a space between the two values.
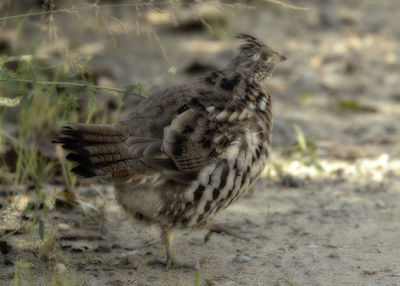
[327, 202]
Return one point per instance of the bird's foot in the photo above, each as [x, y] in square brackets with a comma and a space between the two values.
[171, 263]
[223, 228]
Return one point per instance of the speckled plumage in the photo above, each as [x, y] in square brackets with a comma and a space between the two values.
[189, 151]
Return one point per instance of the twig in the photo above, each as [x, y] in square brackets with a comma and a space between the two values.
[73, 84]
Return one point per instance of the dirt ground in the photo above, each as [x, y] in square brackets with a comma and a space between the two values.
[340, 85]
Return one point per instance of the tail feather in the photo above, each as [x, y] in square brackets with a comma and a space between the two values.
[98, 150]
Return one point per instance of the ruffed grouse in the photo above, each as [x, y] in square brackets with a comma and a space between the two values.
[189, 151]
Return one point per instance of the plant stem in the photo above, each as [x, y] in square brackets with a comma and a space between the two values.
[75, 9]
[72, 84]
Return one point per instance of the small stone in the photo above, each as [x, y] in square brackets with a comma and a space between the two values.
[292, 181]
[381, 205]
[103, 248]
[370, 272]
[4, 247]
[60, 268]
[241, 258]
[333, 255]
[63, 227]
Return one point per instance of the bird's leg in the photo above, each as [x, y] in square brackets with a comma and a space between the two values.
[223, 228]
[171, 261]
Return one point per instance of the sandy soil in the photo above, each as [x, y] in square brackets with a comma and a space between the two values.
[336, 227]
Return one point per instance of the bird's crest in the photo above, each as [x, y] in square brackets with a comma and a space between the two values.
[250, 40]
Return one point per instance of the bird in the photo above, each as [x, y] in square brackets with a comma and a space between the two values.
[186, 152]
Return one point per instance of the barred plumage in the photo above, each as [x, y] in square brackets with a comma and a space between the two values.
[189, 151]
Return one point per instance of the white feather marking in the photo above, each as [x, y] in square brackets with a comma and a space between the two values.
[218, 138]
[189, 192]
[207, 195]
[240, 161]
[243, 114]
[177, 124]
[222, 115]
[201, 205]
[231, 155]
[252, 106]
[233, 116]
[263, 103]
[155, 178]
[205, 173]
[193, 220]
[210, 109]
[216, 177]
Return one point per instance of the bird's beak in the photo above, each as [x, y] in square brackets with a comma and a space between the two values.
[282, 57]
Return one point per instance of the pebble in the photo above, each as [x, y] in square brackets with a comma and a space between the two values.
[333, 255]
[63, 227]
[4, 247]
[241, 258]
[381, 204]
[103, 248]
[292, 181]
[60, 268]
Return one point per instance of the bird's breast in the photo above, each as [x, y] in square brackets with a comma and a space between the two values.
[223, 182]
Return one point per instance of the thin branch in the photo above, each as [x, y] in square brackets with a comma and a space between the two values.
[135, 4]
[73, 84]
[283, 4]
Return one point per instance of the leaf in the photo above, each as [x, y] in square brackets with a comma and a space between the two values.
[32, 74]
[128, 92]
[41, 229]
[290, 283]
[53, 95]
[306, 96]
[27, 208]
[21, 67]
[10, 80]
[72, 74]
[300, 137]
[26, 98]
[353, 105]
[349, 105]
[87, 84]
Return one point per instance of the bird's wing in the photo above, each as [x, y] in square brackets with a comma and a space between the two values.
[199, 131]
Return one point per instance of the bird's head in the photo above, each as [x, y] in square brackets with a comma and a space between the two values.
[255, 60]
